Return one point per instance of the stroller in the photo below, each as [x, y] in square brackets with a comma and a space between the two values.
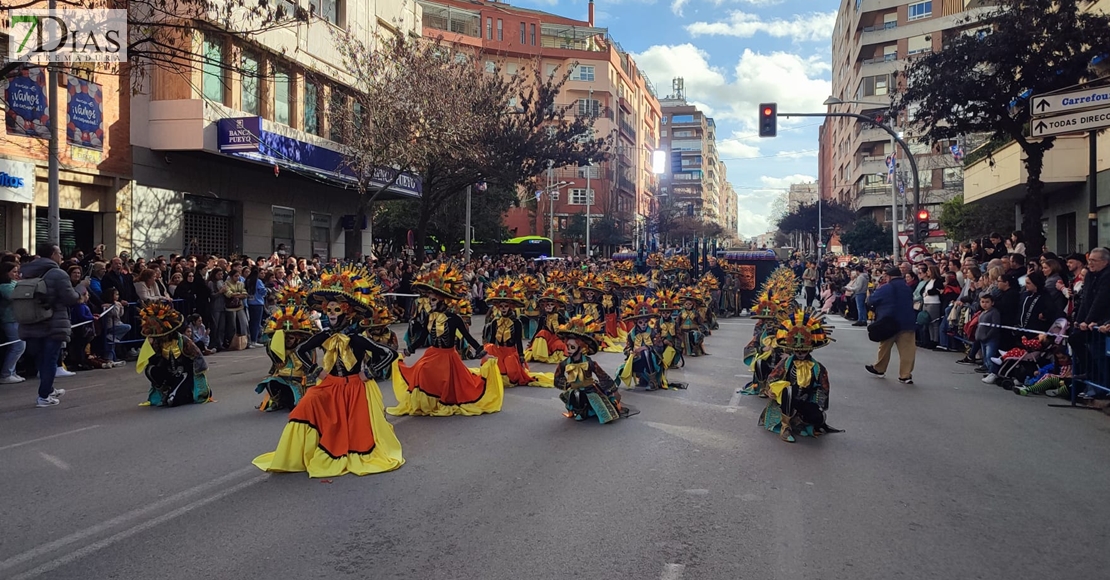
[1020, 363]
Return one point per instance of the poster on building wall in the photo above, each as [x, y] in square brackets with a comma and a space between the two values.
[25, 102]
[85, 114]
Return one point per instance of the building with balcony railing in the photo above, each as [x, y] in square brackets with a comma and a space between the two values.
[604, 80]
[689, 136]
[873, 41]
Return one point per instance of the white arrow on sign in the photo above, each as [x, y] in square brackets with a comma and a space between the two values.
[1070, 102]
[903, 240]
[1072, 123]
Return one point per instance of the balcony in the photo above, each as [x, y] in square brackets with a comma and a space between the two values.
[625, 105]
[872, 134]
[1064, 165]
[872, 165]
[626, 184]
[622, 154]
[872, 200]
[627, 130]
[563, 173]
[884, 58]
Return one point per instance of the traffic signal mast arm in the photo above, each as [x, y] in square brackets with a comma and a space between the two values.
[897, 139]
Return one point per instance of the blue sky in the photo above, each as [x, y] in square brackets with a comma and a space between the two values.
[733, 55]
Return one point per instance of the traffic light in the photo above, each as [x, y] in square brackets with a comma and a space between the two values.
[921, 225]
[768, 120]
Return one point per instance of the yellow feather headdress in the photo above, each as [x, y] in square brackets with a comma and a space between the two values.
[639, 307]
[160, 319]
[586, 328]
[444, 280]
[505, 290]
[801, 331]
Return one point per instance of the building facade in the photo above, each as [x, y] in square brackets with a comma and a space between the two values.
[693, 176]
[873, 41]
[94, 165]
[604, 80]
[801, 194]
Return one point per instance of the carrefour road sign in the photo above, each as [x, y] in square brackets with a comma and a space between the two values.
[1070, 102]
[1073, 123]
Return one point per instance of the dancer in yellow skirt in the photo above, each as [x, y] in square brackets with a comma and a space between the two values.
[439, 384]
[546, 346]
[339, 425]
[504, 335]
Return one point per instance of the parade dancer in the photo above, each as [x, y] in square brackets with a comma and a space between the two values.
[760, 355]
[439, 384]
[587, 391]
[707, 308]
[643, 366]
[339, 425]
[503, 333]
[690, 323]
[593, 288]
[416, 337]
[287, 328]
[668, 340]
[171, 362]
[546, 346]
[799, 385]
[530, 312]
[377, 330]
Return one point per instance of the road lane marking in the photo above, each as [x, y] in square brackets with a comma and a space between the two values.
[672, 571]
[734, 402]
[123, 535]
[55, 546]
[48, 437]
[55, 461]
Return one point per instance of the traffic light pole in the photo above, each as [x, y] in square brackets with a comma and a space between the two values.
[893, 134]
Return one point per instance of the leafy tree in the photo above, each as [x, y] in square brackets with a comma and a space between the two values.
[866, 236]
[804, 219]
[964, 222]
[981, 82]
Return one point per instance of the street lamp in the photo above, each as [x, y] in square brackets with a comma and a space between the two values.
[893, 182]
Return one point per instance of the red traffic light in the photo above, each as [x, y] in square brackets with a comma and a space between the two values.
[768, 111]
[923, 215]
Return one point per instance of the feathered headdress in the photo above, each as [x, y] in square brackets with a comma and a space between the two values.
[688, 293]
[462, 307]
[709, 282]
[554, 293]
[639, 307]
[291, 295]
[505, 290]
[351, 283]
[765, 308]
[289, 319]
[624, 266]
[667, 300]
[444, 280]
[160, 319]
[585, 328]
[381, 316]
[655, 260]
[802, 331]
[531, 285]
[676, 263]
[593, 282]
[638, 281]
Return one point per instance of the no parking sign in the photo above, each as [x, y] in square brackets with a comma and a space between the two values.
[916, 253]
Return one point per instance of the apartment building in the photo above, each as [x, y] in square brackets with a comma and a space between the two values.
[801, 194]
[872, 42]
[94, 159]
[1067, 197]
[729, 207]
[225, 161]
[694, 176]
[603, 79]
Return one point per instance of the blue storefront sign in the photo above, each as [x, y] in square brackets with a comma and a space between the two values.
[27, 113]
[245, 137]
[85, 114]
[17, 181]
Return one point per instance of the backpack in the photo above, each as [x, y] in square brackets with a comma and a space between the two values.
[29, 301]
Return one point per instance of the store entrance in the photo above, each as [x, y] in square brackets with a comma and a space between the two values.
[76, 229]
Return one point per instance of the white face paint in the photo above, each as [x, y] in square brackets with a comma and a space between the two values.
[503, 308]
[549, 307]
[433, 301]
[641, 323]
[573, 347]
[335, 312]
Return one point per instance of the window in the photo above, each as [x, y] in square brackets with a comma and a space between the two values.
[593, 171]
[358, 116]
[583, 73]
[311, 117]
[920, 10]
[283, 92]
[532, 32]
[580, 196]
[212, 83]
[500, 32]
[663, 133]
[551, 70]
[283, 220]
[683, 119]
[589, 107]
[337, 110]
[523, 33]
[491, 66]
[249, 87]
[874, 86]
[489, 29]
[511, 68]
[321, 235]
[326, 10]
[918, 44]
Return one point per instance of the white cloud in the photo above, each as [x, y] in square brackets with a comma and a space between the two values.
[676, 6]
[812, 27]
[733, 148]
[785, 182]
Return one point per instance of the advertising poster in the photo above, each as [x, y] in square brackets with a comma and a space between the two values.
[85, 114]
[25, 99]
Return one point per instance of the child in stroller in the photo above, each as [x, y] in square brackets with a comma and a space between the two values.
[1022, 364]
[1051, 379]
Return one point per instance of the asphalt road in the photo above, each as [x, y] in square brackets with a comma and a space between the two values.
[948, 478]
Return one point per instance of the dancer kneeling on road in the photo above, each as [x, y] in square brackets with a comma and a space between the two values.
[171, 362]
[799, 385]
[587, 391]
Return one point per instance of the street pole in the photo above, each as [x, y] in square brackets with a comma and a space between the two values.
[1092, 194]
[893, 195]
[466, 242]
[551, 202]
[820, 230]
[589, 205]
[53, 211]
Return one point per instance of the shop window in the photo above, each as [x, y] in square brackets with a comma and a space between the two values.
[249, 94]
[213, 82]
[283, 93]
[311, 108]
[321, 235]
[283, 227]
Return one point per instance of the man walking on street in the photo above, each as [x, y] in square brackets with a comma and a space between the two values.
[809, 282]
[45, 338]
[894, 301]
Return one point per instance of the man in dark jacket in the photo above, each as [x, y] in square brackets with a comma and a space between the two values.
[119, 278]
[1093, 309]
[1008, 303]
[894, 300]
[45, 339]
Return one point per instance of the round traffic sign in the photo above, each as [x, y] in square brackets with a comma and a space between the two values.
[916, 253]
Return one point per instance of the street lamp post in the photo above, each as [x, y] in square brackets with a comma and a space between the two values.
[589, 206]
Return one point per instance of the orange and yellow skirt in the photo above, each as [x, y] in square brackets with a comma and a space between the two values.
[440, 385]
[546, 348]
